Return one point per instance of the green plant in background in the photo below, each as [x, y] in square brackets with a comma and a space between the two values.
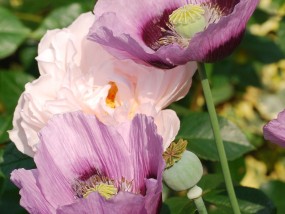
[248, 90]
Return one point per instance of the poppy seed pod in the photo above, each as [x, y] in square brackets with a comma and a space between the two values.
[185, 173]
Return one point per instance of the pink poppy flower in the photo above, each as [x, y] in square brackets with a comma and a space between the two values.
[274, 131]
[166, 33]
[78, 74]
[84, 166]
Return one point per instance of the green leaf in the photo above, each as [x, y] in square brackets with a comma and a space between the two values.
[12, 33]
[13, 159]
[237, 167]
[5, 124]
[275, 190]
[178, 205]
[222, 89]
[59, 18]
[10, 200]
[252, 45]
[259, 16]
[41, 7]
[11, 87]
[251, 201]
[281, 35]
[277, 3]
[196, 128]
[2, 180]
[211, 181]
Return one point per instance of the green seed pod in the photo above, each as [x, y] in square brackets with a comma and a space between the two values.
[185, 173]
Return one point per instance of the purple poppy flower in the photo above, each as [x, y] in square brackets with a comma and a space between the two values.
[166, 33]
[274, 131]
[84, 166]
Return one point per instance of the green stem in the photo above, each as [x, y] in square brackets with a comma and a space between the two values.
[195, 194]
[218, 137]
[200, 205]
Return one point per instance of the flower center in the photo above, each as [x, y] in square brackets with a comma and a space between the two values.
[105, 186]
[110, 99]
[96, 183]
[105, 190]
[188, 20]
[179, 25]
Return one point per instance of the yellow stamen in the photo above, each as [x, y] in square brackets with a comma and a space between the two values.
[110, 99]
[188, 20]
[105, 190]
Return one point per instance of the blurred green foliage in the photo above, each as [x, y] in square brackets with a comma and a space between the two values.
[248, 89]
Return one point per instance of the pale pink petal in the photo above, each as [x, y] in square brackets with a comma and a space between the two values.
[168, 125]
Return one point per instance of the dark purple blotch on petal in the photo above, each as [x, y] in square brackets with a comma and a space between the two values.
[224, 50]
[151, 32]
[226, 6]
[161, 64]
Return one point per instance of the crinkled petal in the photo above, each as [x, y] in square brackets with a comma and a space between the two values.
[28, 116]
[31, 197]
[145, 147]
[59, 48]
[18, 134]
[163, 87]
[274, 131]
[167, 122]
[68, 84]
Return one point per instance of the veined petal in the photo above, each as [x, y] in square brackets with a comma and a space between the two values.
[145, 145]
[31, 197]
[73, 146]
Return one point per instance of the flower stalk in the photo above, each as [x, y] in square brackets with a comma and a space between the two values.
[195, 194]
[218, 137]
